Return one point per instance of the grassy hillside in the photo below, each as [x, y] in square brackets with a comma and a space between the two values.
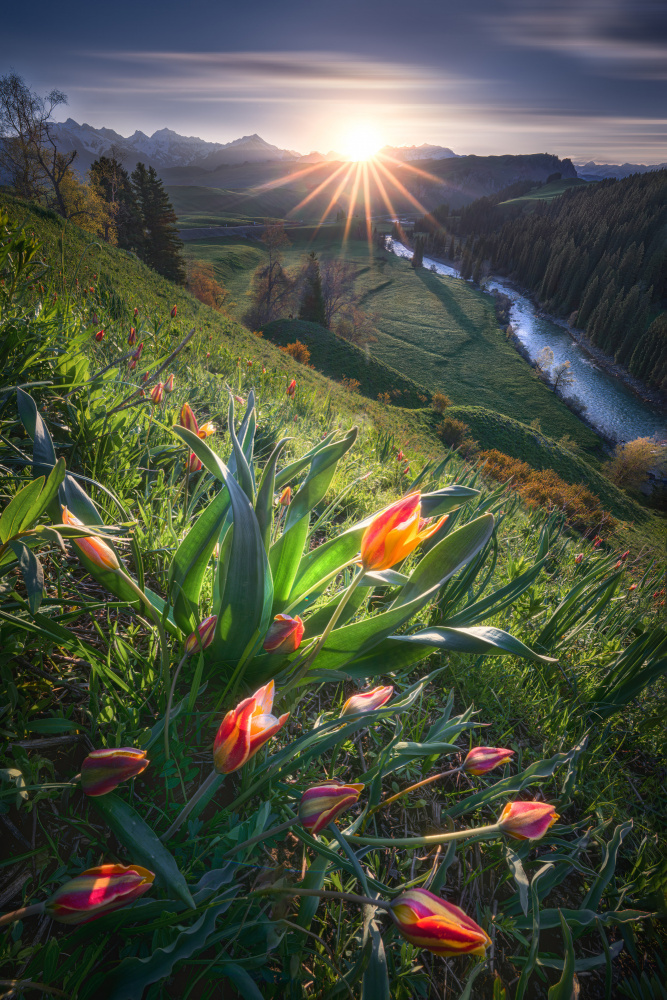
[547, 192]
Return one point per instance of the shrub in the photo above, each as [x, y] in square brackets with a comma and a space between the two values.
[440, 402]
[298, 351]
[201, 283]
[453, 432]
[384, 397]
[632, 461]
[351, 384]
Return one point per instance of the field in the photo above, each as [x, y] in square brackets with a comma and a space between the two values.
[504, 629]
[547, 192]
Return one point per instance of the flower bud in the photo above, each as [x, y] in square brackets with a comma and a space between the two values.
[320, 804]
[169, 384]
[136, 312]
[194, 463]
[103, 770]
[481, 760]
[132, 339]
[286, 497]
[99, 336]
[201, 637]
[625, 555]
[527, 820]
[188, 419]
[245, 729]
[173, 312]
[92, 547]
[291, 388]
[400, 456]
[156, 393]
[284, 635]
[97, 891]
[578, 558]
[427, 921]
[368, 701]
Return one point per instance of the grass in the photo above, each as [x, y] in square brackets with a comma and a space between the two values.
[72, 689]
[547, 192]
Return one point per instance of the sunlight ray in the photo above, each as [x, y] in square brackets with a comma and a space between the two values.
[386, 199]
[367, 205]
[313, 194]
[353, 202]
[410, 166]
[337, 193]
[281, 181]
[407, 194]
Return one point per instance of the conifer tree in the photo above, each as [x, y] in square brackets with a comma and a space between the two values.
[162, 246]
[311, 307]
[113, 183]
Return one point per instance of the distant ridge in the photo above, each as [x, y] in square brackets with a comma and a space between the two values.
[592, 171]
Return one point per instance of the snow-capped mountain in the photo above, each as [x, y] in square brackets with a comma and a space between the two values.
[165, 148]
[423, 152]
[592, 171]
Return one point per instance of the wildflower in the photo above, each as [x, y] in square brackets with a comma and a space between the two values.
[400, 456]
[207, 429]
[395, 532]
[527, 820]
[145, 377]
[286, 497]
[625, 555]
[201, 637]
[132, 365]
[169, 384]
[156, 393]
[480, 760]
[99, 336]
[132, 339]
[578, 558]
[427, 921]
[245, 729]
[97, 891]
[284, 635]
[632, 587]
[368, 701]
[91, 547]
[320, 804]
[136, 312]
[208, 355]
[137, 354]
[291, 388]
[103, 770]
[617, 565]
[173, 312]
[597, 542]
[194, 463]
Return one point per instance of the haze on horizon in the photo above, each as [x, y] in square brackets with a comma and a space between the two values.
[580, 78]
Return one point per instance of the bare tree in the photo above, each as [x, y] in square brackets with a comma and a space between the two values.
[28, 151]
[272, 289]
[337, 287]
[562, 375]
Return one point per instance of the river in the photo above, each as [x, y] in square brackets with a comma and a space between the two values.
[612, 408]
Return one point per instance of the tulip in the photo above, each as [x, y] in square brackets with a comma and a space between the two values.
[169, 384]
[156, 393]
[400, 456]
[284, 634]
[208, 354]
[527, 820]
[103, 770]
[132, 365]
[632, 587]
[394, 533]
[406, 471]
[194, 463]
[291, 388]
[368, 701]
[207, 429]
[137, 353]
[578, 558]
[97, 891]
[145, 377]
[427, 921]
[136, 312]
[286, 497]
[99, 336]
[132, 339]
[245, 729]
[188, 419]
[240, 400]
[617, 565]
[201, 637]
[173, 312]
[597, 543]
[320, 805]
[92, 547]
[481, 760]
[625, 555]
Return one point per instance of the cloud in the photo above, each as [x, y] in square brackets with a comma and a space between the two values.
[622, 38]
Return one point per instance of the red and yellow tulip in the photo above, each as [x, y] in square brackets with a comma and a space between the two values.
[94, 548]
[245, 729]
[169, 384]
[132, 339]
[284, 635]
[481, 760]
[368, 701]
[99, 335]
[97, 891]
[201, 637]
[395, 532]
[174, 310]
[286, 497]
[320, 804]
[157, 392]
[427, 921]
[103, 770]
[291, 388]
[527, 820]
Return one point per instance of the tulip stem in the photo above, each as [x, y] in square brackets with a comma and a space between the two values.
[264, 835]
[350, 897]
[169, 703]
[492, 830]
[361, 874]
[25, 911]
[203, 789]
[412, 788]
[164, 652]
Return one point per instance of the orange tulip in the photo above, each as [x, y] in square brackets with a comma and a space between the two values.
[97, 891]
[368, 701]
[207, 429]
[291, 388]
[245, 729]
[320, 805]
[427, 921]
[527, 820]
[481, 760]
[394, 533]
[284, 634]
[173, 312]
[201, 637]
[92, 547]
[132, 339]
[286, 497]
[156, 393]
[99, 335]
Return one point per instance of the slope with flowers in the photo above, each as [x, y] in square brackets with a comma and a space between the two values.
[500, 634]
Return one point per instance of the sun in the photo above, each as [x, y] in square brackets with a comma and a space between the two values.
[361, 142]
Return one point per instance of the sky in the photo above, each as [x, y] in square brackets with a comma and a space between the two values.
[579, 78]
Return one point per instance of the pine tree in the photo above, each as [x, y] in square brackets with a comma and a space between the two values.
[162, 246]
[113, 183]
[312, 299]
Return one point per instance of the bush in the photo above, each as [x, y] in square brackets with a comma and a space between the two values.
[201, 283]
[453, 432]
[351, 384]
[440, 402]
[632, 461]
[298, 351]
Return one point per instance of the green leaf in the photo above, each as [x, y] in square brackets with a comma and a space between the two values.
[480, 639]
[445, 500]
[16, 511]
[470, 982]
[594, 894]
[264, 502]
[51, 726]
[43, 452]
[519, 876]
[243, 474]
[142, 844]
[564, 988]
[535, 940]
[48, 496]
[375, 984]
[32, 573]
[242, 980]
[186, 573]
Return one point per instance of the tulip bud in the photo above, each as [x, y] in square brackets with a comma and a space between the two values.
[97, 891]
[92, 547]
[103, 770]
[480, 760]
[169, 384]
[578, 558]
[632, 587]
[320, 804]
[291, 388]
[173, 312]
[245, 729]
[137, 353]
[427, 921]
[132, 339]
[284, 634]
[395, 532]
[156, 393]
[625, 555]
[136, 312]
[240, 400]
[202, 637]
[132, 365]
[99, 336]
[188, 419]
[285, 497]
[368, 701]
[527, 820]
[597, 543]
[208, 355]
[194, 463]
[400, 456]
[617, 565]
